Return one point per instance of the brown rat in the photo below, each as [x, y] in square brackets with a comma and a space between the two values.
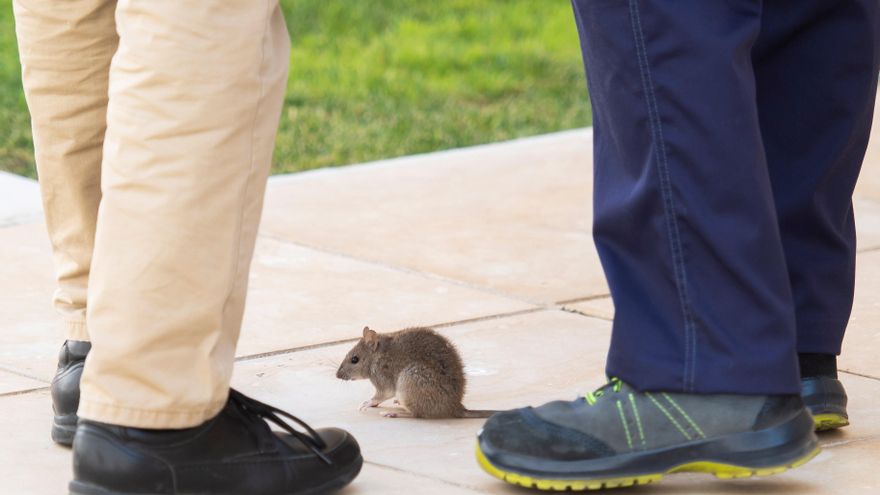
[418, 366]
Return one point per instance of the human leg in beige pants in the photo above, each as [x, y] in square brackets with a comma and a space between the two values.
[191, 94]
[195, 92]
[65, 50]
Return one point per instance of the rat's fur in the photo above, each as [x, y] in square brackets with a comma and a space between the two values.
[417, 365]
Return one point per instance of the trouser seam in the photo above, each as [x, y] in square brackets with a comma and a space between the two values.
[257, 107]
[672, 229]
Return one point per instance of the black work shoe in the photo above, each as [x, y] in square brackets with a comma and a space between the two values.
[825, 397]
[617, 436]
[234, 453]
[65, 390]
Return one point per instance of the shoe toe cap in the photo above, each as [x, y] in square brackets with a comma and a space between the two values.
[522, 433]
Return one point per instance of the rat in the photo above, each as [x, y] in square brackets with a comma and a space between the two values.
[417, 365]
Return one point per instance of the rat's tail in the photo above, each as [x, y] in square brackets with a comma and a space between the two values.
[479, 413]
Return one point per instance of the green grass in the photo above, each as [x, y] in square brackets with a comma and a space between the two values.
[373, 80]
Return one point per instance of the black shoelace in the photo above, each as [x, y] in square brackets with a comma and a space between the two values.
[310, 438]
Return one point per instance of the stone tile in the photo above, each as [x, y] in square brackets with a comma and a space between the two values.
[869, 179]
[861, 346]
[21, 200]
[30, 464]
[299, 296]
[31, 331]
[867, 215]
[11, 382]
[375, 480]
[602, 307]
[515, 217]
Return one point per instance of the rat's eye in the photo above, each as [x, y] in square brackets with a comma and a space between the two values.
[354, 360]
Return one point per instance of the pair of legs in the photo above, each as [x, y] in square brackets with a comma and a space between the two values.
[728, 137]
[154, 125]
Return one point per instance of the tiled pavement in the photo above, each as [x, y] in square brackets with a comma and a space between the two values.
[489, 244]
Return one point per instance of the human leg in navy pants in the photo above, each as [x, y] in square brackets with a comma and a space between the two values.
[728, 139]
[816, 90]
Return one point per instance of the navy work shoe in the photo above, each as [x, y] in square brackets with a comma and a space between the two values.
[826, 399]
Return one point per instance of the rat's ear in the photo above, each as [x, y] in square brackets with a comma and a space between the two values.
[371, 338]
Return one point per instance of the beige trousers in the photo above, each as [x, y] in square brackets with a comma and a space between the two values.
[154, 123]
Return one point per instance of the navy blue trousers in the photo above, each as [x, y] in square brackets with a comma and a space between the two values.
[728, 137]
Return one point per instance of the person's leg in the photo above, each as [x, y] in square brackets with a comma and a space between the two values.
[816, 89]
[65, 50]
[196, 90]
[703, 360]
[195, 99]
[684, 219]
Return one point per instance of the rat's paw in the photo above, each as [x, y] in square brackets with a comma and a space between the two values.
[389, 414]
[396, 402]
[368, 404]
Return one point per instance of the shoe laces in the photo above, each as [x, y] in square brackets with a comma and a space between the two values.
[613, 384]
[253, 407]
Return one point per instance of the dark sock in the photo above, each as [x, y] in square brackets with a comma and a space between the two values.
[815, 365]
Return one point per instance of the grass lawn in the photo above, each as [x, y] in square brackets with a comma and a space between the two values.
[373, 80]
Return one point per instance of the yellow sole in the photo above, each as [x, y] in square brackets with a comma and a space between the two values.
[825, 422]
[723, 471]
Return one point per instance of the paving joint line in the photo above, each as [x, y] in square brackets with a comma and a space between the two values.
[425, 476]
[855, 373]
[24, 375]
[309, 347]
[848, 441]
[23, 392]
[583, 299]
[403, 269]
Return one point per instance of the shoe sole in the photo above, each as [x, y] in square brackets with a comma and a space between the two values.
[767, 452]
[64, 429]
[827, 422]
[80, 488]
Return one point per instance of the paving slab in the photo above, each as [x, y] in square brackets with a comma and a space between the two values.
[861, 346]
[20, 200]
[298, 297]
[15, 383]
[515, 217]
[867, 215]
[31, 331]
[376, 479]
[869, 179]
[30, 464]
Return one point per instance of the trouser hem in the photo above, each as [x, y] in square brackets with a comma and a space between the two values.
[76, 329]
[134, 417]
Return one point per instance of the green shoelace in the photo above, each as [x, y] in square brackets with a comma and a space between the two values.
[614, 384]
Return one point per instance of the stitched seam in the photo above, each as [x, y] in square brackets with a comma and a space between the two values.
[686, 416]
[669, 416]
[625, 426]
[250, 178]
[635, 409]
[666, 193]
